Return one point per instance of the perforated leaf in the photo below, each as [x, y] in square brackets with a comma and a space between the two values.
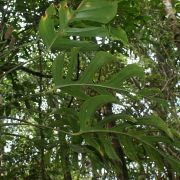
[100, 59]
[59, 76]
[55, 39]
[56, 28]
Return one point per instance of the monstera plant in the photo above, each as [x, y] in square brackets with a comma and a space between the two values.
[72, 34]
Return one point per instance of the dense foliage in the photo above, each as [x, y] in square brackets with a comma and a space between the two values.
[89, 89]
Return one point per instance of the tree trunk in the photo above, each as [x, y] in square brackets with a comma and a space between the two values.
[65, 157]
[123, 171]
[1, 153]
[173, 24]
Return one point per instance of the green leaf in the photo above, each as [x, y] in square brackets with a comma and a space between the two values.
[59, 43]
[90, 140]
[65, 14]
[46, 26]
[70, 117]
[127, 72]
[157, 122]
[47, 157]
[119, 34]
[175, 133]
[154, 156]
[57, 69]
[55, 39]
[106, 142]
[129, 147]
[98, 11]
[156, 139]
[87, 32]
[148, 92]
[152, 151]
[124, 117]
[75, 92]
[175, 164]
[89, 10]
[100, 59]
[73, 64]
[90, 106]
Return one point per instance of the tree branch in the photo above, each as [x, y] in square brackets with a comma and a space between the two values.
[8, 68]
[173, 22]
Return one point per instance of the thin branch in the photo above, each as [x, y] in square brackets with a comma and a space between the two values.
[16, 135]
[35, 125]
[12, 69]
[14, 124]
[35, 73]
[9, 67]
[77, 77]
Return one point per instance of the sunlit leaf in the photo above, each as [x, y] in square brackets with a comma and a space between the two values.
[87, 32]
[56, 40]
[99, 11]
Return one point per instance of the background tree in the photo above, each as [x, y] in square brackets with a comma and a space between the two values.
[74, 105]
